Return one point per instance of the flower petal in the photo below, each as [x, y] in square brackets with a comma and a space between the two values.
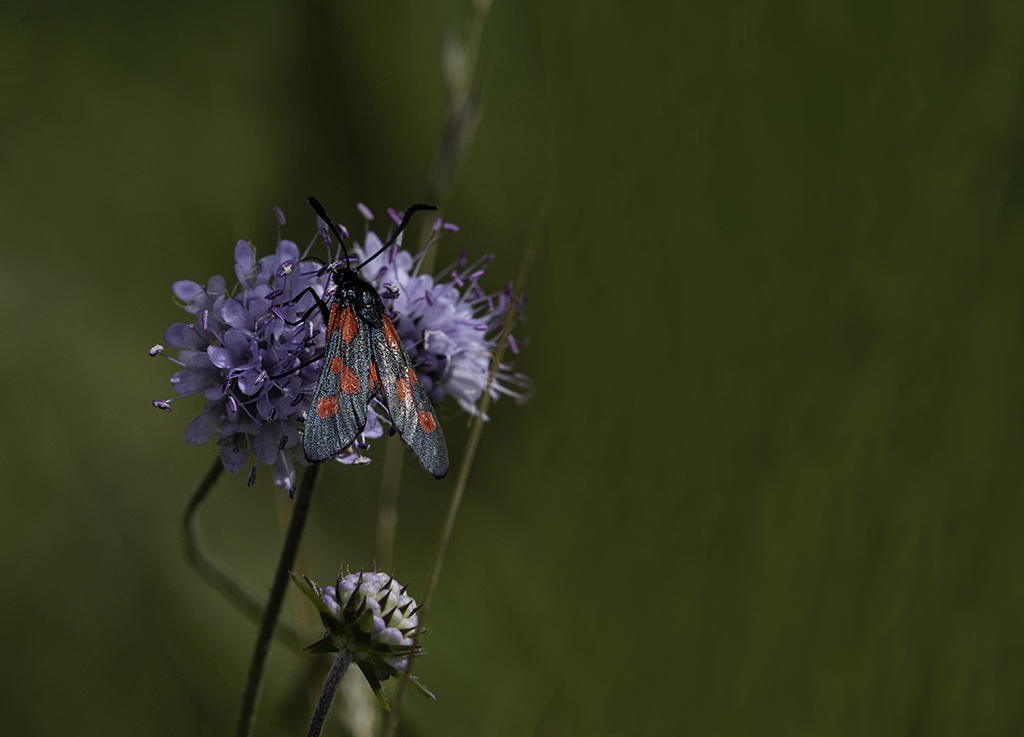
[183, 335]
[201, 429]
[187, 290]
[235, 315]
[245, 264]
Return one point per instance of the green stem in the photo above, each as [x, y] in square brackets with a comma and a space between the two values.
[467, 459]
[323, 705]
[277, 592]
[210, 570]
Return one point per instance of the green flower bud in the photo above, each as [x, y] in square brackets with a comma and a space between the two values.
[370, 616]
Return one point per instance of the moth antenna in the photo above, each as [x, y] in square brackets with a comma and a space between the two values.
[330, 224]
[405, 221]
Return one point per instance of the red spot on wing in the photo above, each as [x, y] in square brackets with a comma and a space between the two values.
[349, 325]
[334, 321]
[427, 422]
[403, 390]
[392, 335]
[374, 378]
[412, 376]
[337, 365]
[348, 381]
[344, 319]
[327, 407]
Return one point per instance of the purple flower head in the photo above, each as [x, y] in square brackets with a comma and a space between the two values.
[257, 373]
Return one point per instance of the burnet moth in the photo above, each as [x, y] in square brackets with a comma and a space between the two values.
[363, 360]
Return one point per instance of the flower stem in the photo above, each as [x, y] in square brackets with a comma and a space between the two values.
[209, 569]
[467, 459]
[323, 706]
[277, 592]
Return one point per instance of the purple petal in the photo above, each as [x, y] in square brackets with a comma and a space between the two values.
[222, 358]
[251, 382]
[201, 429]
[288, 251]
[183, 335]
[217, 286]
[258, 305]
[267, 441]
[194, 359]
[235, 315]
[187, 290]
[233, 457]
[190, 381]
[245, 263]
[238, 341]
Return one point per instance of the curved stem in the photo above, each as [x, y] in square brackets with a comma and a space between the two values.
[209, 569]
[277, 592]
[323, 705]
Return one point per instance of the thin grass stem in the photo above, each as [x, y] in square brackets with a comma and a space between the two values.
[476, 429]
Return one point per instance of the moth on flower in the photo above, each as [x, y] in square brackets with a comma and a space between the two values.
[365, 360]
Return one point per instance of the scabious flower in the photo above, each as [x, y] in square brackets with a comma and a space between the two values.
[369, 616]
[258, 373]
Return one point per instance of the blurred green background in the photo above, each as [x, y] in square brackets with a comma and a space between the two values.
[769, 480]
